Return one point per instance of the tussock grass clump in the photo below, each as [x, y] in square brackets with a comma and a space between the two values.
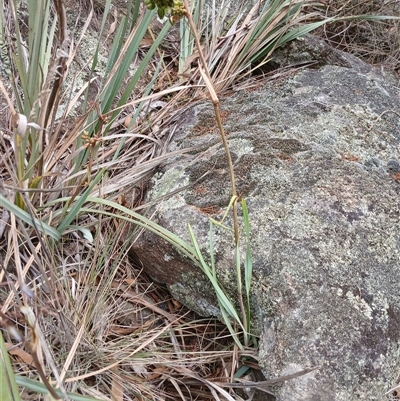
[111, 331]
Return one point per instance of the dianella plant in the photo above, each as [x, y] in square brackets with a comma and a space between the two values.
[53, 152]
[59, 143]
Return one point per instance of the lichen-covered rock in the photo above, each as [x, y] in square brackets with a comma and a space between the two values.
[317, 158]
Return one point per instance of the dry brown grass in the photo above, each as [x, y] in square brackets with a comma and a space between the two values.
[376, 42]
[110, 331]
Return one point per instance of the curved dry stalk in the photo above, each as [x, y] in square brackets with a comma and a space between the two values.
[205, 73]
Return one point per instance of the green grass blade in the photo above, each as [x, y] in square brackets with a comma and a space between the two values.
[48, 53]
[21, 66]
[8, 385]
[238, 271]
[219, 223]
[117, 38]
[74, 211]
[242, 371]
[301, 31]
[138, 73]
[147, 91]
[114, 84]
[246, 219]
[135, 12]
[212, 258]
[38, 27]
[248, 264]
[245, 323]
[26, 217]
[144, 63]
[270, 14]
[231, 329]
[85, 232]
[368, 17]
[106, 12]
[41, 389]
[116, 47]
[134, 218]
[221, 296]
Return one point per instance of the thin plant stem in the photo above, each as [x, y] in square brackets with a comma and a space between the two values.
[205, 73]
[207, 78]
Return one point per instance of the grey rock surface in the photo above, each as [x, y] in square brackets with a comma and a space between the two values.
[317, 158]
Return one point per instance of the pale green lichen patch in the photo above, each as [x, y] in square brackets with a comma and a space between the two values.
[241, 146]
[168, 257]
[167, 183]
